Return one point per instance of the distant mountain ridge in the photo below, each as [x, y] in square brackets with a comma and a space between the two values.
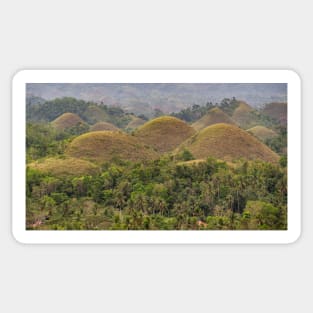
[145, 98]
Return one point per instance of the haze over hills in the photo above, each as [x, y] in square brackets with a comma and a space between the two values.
[145, 98]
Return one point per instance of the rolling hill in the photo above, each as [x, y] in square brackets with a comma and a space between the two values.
[277, 111]
[103, 126]
[261, 132]
[214, 116]
[94, 114]
[227, 142]
[164, 133]
[65, 166]
[135, 123]
[67, 120]
[244, 115]
[103, 146]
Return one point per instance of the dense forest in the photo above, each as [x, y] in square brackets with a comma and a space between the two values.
[167, 187]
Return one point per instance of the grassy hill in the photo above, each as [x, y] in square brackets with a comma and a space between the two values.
[244, 115]
[277, 111]
[103, 126]
[164, 133]
[227, 142]
[66, 121]
[94, 114]
[214, 116]
[65, 166]
[262, 132]
[102, 146]
[135, 123]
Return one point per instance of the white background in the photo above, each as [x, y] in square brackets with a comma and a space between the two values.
[160, 34]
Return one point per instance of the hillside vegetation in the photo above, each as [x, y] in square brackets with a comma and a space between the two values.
[102, 146]
[94, 167]
[277, 111]
[164, 133]
[63, 167]
[89, 112]
[228, 142]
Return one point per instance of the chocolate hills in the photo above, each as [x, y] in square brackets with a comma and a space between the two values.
[135, 123]
[103, 146]
[103, 126]
[227, 142]
[262, 132]
[67, 120]
[65, 166]
[243, 115]
[164, 133]
[94, 114]
[277, 111]
[214, 116]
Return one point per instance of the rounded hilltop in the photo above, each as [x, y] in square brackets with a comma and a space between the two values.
[103, 126]
[262, 132]
[135, 123]
[243, 115]
[227, 142]
[164, 133]
[214, 116]
[65, 166]
[66, 121]
[103, 146]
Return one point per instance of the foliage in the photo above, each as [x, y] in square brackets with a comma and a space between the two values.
[161, 194]
[89, 112]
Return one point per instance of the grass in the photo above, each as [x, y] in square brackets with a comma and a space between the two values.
[214, 116]
[67, 120]
[103, 146]
[227, 142]
[64, 167]
[244, 115]
[164, 133]
[135, 123]
[103, 126]
[94, 114]
[262, 132]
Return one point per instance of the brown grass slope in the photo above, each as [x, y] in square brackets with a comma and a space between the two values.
[276, 110]
[65, 166]
[103, 146]
[103, 126]
[164, 133]
[67, 120]
[94, 114]
[227, 142]
[135, 123]
[214, 116]
[262, 132]
[243, 115]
